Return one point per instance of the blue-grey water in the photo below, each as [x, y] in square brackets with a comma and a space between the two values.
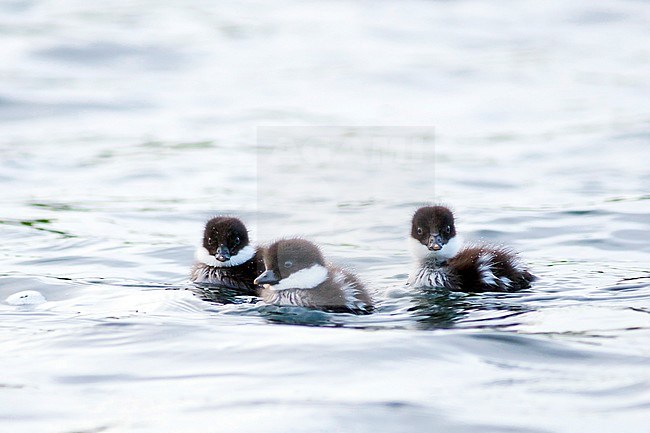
[125, 125]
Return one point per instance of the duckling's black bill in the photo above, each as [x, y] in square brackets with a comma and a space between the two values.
[267, 277]
[223, 253]
[435, 243]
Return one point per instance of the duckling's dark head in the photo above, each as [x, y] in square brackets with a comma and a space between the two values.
[433, 226]
[224, 237]
[433, 233]
[289, 256]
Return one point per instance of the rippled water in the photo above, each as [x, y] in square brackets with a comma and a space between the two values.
[124, 127]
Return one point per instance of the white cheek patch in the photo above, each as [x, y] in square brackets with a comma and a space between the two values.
[202, 255]
[421, 252]
[245, 254]
[450, 249]
[308, 278]
[418, 250]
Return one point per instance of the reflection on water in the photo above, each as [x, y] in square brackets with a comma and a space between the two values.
[299, 316]
[38, 224]
[219, 295]
[435, 308]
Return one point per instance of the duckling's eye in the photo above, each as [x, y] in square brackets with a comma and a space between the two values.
[419, 230]
[448, 229]
[288, 264]
[237, 241]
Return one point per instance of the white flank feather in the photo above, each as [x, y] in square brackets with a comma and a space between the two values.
[485, 269]
[349, 290]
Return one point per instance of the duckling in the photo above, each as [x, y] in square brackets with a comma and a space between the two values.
[226, 257]
[296, 274]
[443, 261]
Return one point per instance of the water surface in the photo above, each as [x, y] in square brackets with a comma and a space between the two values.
[124, 128]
